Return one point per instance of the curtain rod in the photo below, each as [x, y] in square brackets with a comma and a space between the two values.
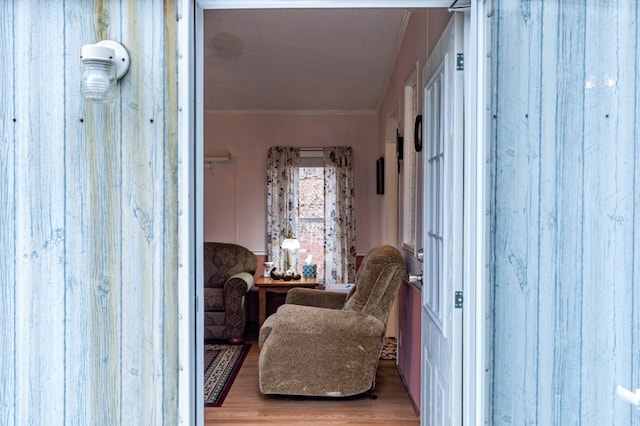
[311, 152]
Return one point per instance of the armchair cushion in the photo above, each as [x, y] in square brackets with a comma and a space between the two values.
[318, 298]
[372, 293]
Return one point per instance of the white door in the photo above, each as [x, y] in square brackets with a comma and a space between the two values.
[442, 240]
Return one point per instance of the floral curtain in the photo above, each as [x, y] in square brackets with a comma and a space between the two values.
[282, 200]
[340, 218]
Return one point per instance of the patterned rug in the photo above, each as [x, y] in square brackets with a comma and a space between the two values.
[389, 348]
[221, 365]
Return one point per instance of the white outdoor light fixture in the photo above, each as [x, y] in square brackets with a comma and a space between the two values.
[103, 64]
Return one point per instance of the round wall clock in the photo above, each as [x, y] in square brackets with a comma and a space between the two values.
[417, 133]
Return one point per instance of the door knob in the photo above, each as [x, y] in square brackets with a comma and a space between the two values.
[420, 255]
[415, 278]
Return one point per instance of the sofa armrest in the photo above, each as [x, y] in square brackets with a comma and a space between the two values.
[242, 282]
[317, 298]
[235, 288]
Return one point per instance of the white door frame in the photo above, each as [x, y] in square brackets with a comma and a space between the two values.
[190, 223]
[475, 382]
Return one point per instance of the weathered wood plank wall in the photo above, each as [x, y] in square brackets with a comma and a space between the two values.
[88, 218]
[566, 231]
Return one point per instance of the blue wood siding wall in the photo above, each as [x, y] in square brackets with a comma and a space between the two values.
[566, 211]
[88, 218]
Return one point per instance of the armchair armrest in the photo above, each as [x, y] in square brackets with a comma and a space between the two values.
[318, 298]
[349, 325]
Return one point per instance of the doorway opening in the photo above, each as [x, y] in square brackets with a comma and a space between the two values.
[198, 150]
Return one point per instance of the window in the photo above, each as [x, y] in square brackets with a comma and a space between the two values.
[311, 209]
[409, 167]
[310, 192]
[433, 295]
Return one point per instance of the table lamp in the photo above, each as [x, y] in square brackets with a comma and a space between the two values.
[290, 244]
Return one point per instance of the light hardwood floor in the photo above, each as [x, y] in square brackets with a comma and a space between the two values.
[245, 405]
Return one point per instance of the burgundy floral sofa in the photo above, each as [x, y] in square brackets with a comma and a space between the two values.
[228, 275]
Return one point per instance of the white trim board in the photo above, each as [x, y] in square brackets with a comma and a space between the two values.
[319, 4]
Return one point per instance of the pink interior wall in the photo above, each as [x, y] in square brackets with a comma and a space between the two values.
[409, 342]
[235, 192]
[423, 32]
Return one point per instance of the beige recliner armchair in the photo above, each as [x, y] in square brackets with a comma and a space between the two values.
[322, 343]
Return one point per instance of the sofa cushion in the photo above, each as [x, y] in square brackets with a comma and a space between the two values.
[214, 319]
[214, 325]
[213, 299]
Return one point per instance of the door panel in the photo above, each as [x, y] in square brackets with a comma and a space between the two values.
[442, 234]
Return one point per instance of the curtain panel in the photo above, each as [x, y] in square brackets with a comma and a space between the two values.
[340, 223]
[282, 200]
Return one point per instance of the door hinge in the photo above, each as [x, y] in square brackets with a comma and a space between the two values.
[460, 62]
[459, 299]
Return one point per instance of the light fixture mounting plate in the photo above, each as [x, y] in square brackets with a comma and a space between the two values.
[121, 56]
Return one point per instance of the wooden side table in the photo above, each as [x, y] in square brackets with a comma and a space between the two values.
[269, 285]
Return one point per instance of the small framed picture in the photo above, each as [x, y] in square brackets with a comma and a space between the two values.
[380, 176]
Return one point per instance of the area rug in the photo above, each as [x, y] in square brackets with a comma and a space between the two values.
[221, 365]
[389, 348]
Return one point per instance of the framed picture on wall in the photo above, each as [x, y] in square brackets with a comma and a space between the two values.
[380, 176]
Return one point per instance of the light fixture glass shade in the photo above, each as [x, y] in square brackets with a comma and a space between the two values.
[103, 64]
[98, 81]
[98, 74]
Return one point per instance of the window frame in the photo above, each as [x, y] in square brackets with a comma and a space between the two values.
[410, 186]
[311, 158]
[434, 150]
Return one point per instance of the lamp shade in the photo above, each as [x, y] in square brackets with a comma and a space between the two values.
[291, 243]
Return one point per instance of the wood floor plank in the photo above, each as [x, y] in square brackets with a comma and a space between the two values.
[245, 405]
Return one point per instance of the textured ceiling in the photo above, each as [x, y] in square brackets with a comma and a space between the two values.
[299, 59]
